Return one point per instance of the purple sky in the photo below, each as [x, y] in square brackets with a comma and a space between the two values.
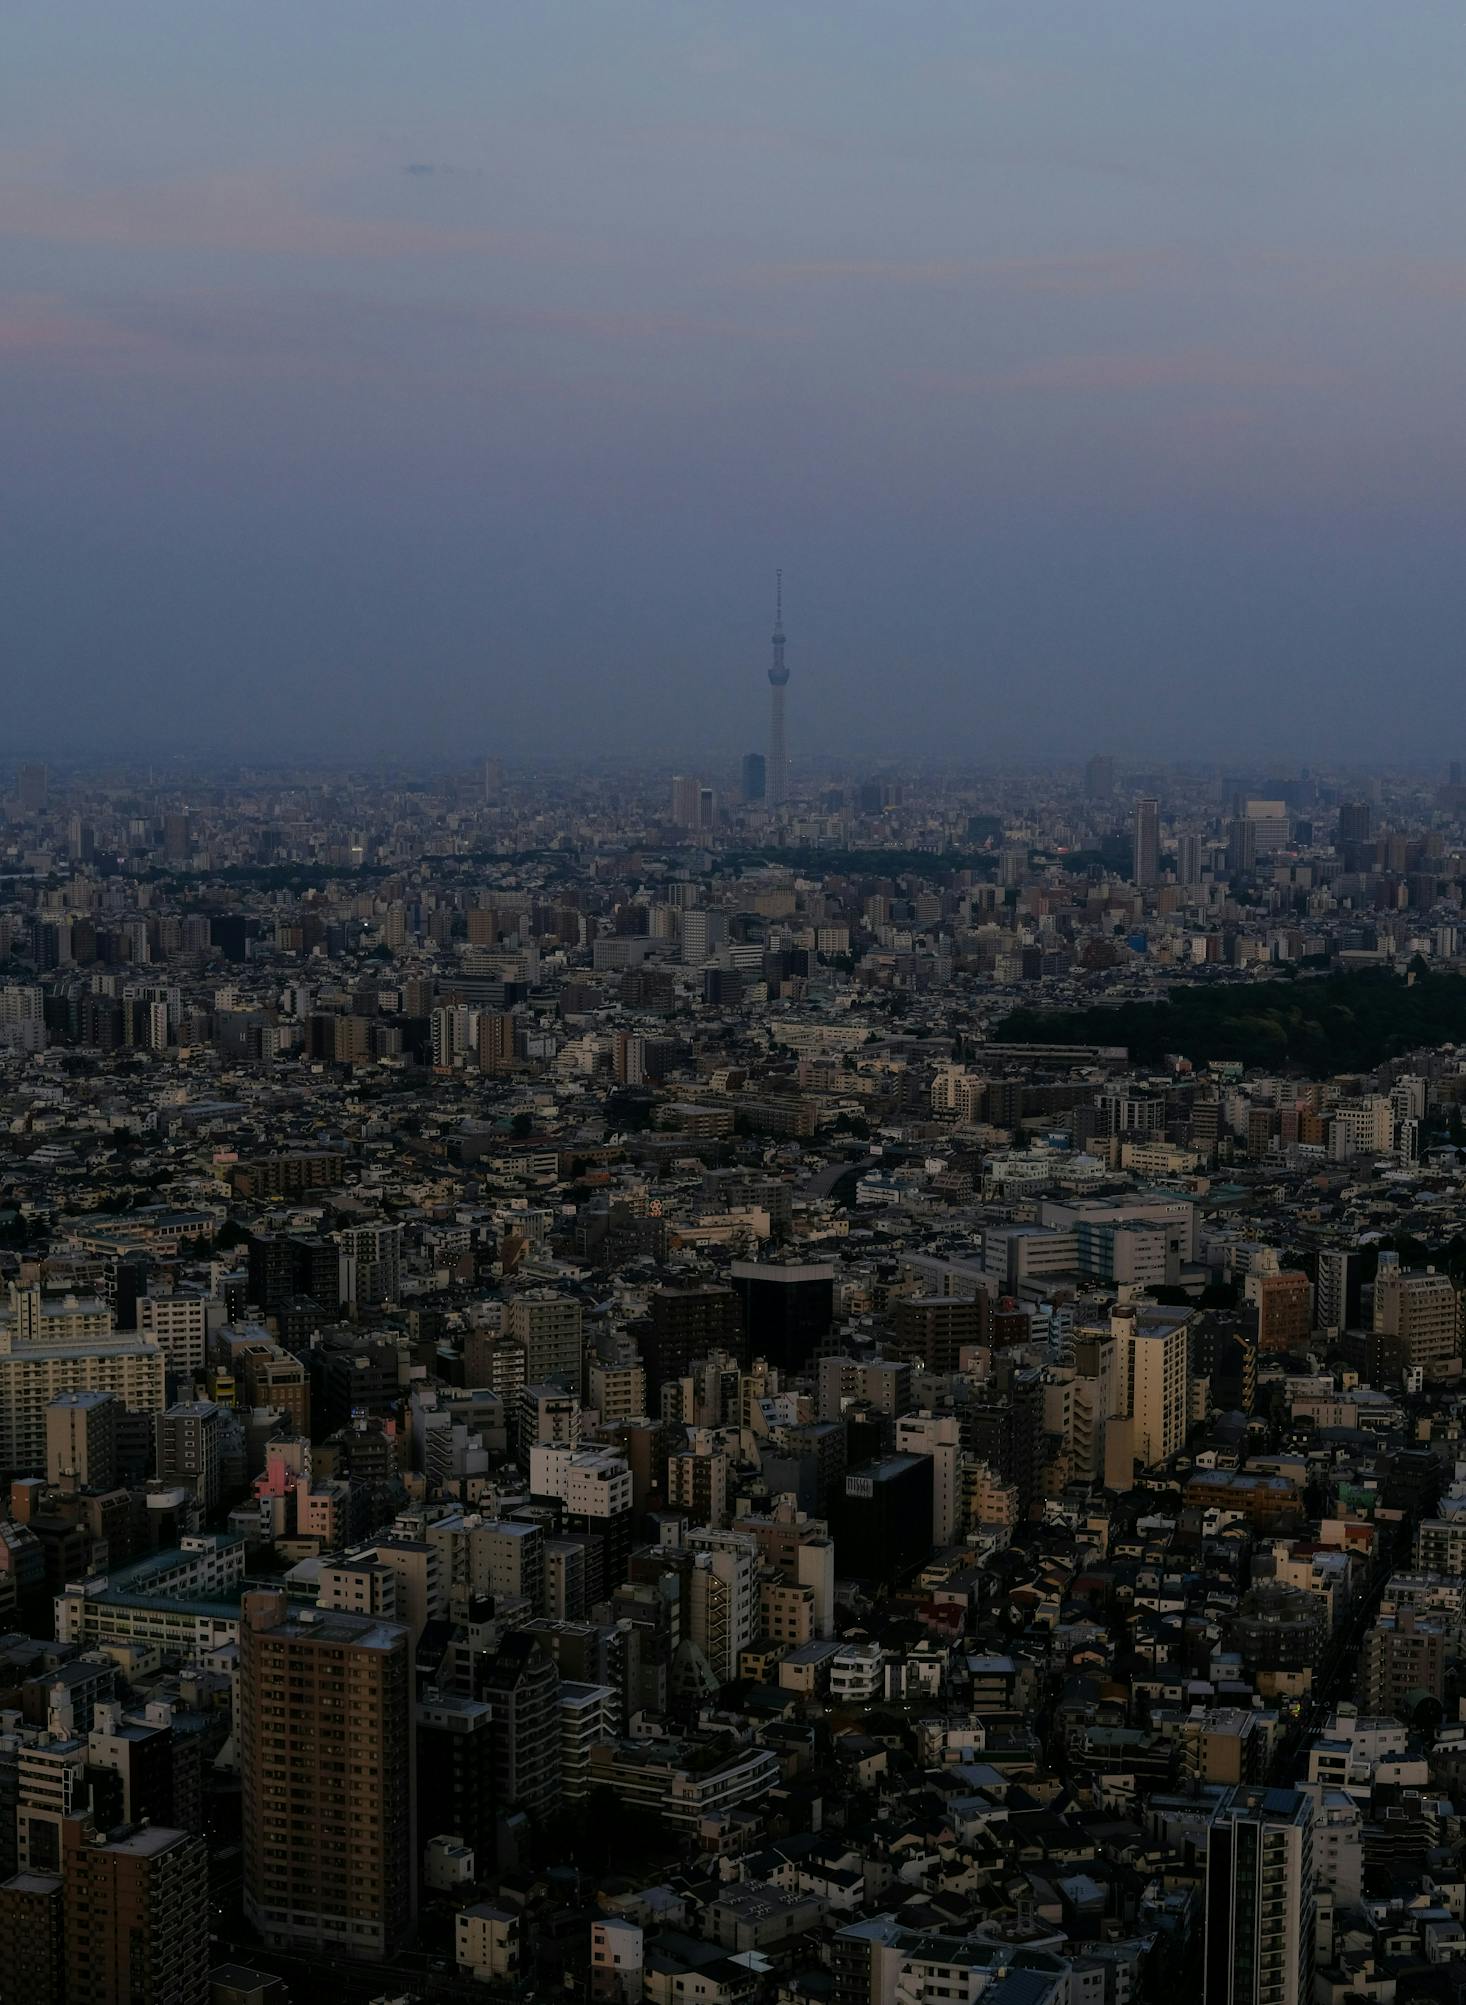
[451, 378]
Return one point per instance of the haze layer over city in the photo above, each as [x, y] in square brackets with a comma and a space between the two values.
[732, 1005]
[375, 380]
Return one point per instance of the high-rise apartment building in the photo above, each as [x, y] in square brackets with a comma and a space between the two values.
[934, 1330]
[754, 776]
[81, 1440]
[1336, 1289]
[697, 1482]
[452, 1034]
[371, 1265]
[31, 1375]
[1147, 844]
[1152, 1360]
[136, 1916]
[455, 1775]
[938, 1435]
[1402, 1661]
[1259, 1899]
[33, 1937]
[617, 1391]
[548, 1325]
[522, 1687]
[503, 1557]
[327, 1769]
[495, 1040]
[721, 1603]
[1284, 1310]
[1416, 1321]
[189, 1446]
[180, 1325]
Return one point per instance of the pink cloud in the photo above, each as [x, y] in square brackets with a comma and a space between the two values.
[1184, 369]
[246, 215]
[1099, 271]
[44, 326]
[239, 333]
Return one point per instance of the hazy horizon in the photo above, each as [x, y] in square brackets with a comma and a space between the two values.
[452, 382]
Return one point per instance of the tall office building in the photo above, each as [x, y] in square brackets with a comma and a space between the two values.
[788, 1309]
[688, 1323]
[686, 800]
[327, 1768]
[778, 767]
[1356, 822]
[1099, 777]
[1147, 864]
[755, 776]
[1241, 846]
[32, 789]
[702, 934]
[883, 1519]
[1259, 1899]
[1270, 821]
[1188, 859]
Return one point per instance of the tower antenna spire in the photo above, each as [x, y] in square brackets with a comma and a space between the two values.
[777, 784]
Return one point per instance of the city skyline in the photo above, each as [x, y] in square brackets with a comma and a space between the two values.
[684, 1323]
[531, 1297]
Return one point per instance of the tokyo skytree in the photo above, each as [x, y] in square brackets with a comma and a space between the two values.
[778, 780]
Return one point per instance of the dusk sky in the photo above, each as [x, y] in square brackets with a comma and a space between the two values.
[450, 378]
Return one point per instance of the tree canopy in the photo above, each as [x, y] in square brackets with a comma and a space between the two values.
[1313, 1024]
